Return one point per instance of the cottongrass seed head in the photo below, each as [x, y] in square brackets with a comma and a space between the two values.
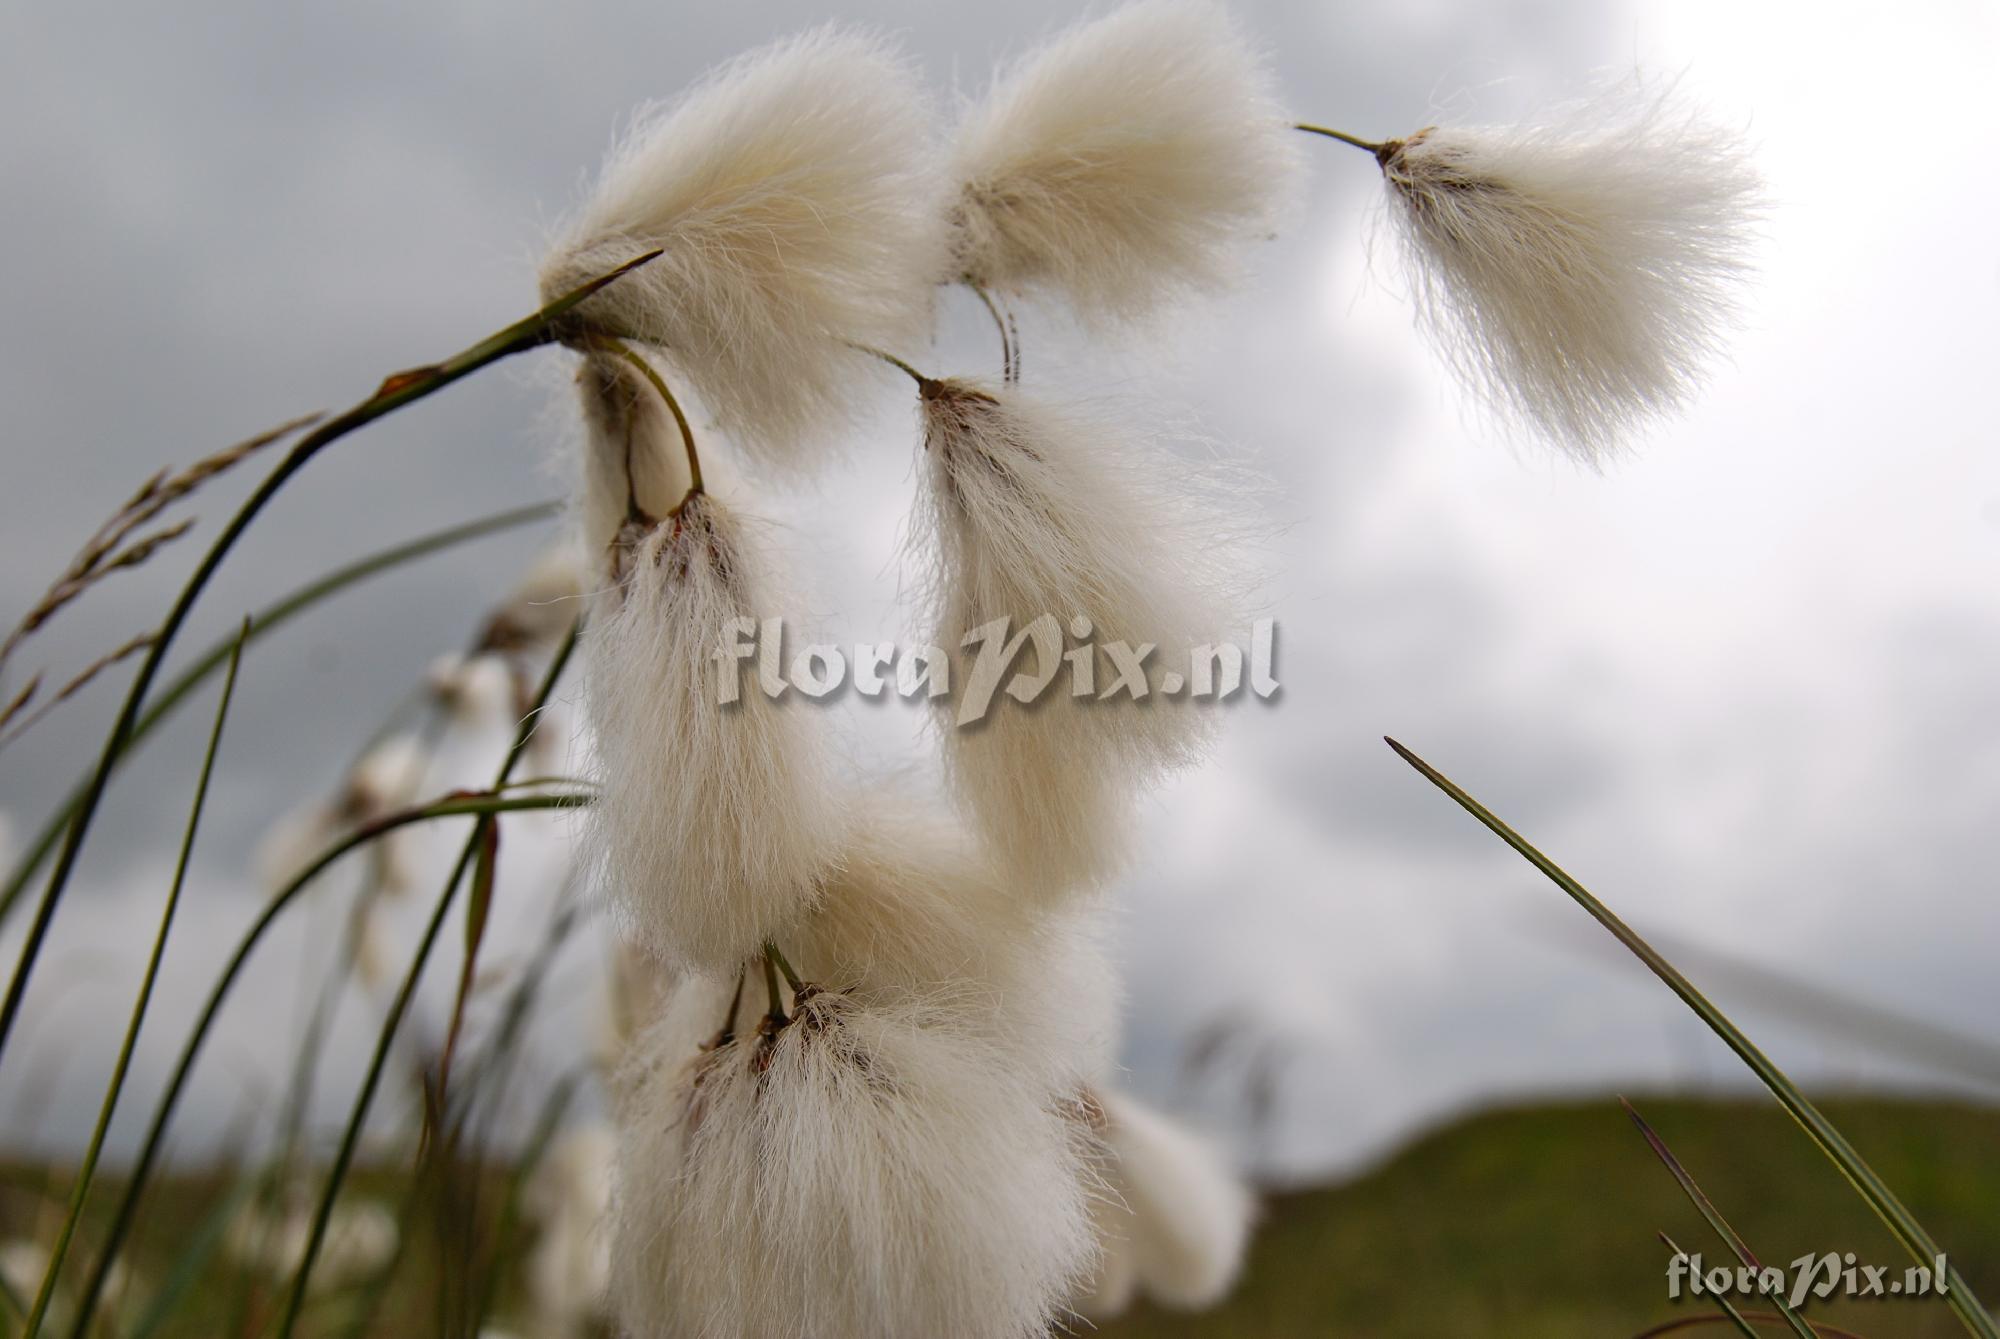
[865, 1169]
[1577, 272]
[632, 460]
[1176, 1220]
[792, 196]
[1030, 511]
[1123, 163]
[714, 822]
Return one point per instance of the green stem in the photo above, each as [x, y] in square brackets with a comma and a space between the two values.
[1340, 135]
[1900, 1222]
[541, 328]
[88, 1169]
[358, 1116]
[149, 1150]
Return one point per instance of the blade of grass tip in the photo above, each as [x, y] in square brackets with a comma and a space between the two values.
[1716, 1222]
[358, 1115]
[477, 904]
[1729, 1308]
[459, 806]
[263, 623]
[401, 389]
[1900, 1222]
[524, 1168]
[87, 1169]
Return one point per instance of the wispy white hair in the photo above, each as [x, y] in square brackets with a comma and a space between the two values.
[714, 823]
[1031, 510]
[792, 194]
[1123, 163]
[869, 1169]
[1177, 1220]
[918, 909]
[1577, 272]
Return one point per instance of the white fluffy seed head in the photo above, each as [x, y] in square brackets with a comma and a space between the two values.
[1177, 1220]
[1124, 163]
[1031, 511]
[868, 1169]
[1578, 272]
[792, 198]
[715, 822]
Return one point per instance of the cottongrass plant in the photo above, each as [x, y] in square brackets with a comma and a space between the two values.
[1578, 271]
[1122, 164]
[863, 1078]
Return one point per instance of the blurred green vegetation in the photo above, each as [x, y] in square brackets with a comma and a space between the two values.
[1535, 1222]
[1539, 1223]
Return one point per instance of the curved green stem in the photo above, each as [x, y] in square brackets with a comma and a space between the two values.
[1340, 135]
[88, 1168]
[263, 622]
[385, 1039]
[401, 389]
[149, 1150]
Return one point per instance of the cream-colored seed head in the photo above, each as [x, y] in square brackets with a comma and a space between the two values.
[871, 1169]
[1177, 1220]
[1032, 511]
[1578, 273]
[714, 825]
[792, 198]
[1123, 164]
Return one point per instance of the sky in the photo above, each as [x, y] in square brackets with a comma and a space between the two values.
[1744, 683]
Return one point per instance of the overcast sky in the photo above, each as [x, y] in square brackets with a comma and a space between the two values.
[1745, 684]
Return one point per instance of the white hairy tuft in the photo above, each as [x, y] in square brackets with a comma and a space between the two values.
[1177, 1220]
[1124, 163]
[473, 690]
[918, 909]
[715, 822]
[1578, 272]
[793, 198]
[867, 1169]
[1035, 511]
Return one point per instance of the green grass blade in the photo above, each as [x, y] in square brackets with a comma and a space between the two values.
[264, 622]
[149, 1150]
[385, 1039]
[403, 388]
[87, 1169]
[193, 1259]
[1898, 1219]
[1721, 1299]
[1716, 1222]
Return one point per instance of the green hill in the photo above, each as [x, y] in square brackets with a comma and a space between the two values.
[1540, 1222]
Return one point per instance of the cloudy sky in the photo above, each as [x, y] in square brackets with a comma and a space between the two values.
[1745, 684]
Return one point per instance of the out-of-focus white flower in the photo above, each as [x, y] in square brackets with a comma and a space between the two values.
[388, 777]
[475, 690]
[360, 1239]
[862, 1170]
[1056, 522]
[793, 199]
[569, 1197]
[1577, 272]
[1124, 163]
[715, 822]
[1176, 1220]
